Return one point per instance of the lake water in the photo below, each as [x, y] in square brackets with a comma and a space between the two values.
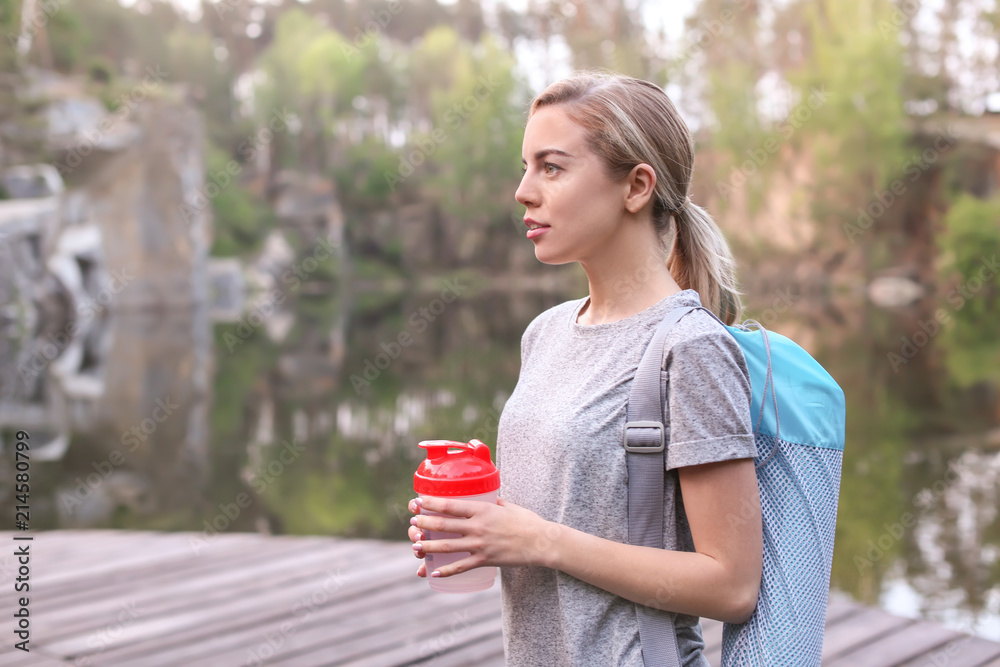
[305, 420]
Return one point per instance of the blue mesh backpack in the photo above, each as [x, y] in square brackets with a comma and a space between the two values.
[799, 432]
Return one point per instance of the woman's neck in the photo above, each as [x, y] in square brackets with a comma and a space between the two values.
[617, 292]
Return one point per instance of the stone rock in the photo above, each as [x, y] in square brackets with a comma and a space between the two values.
[226, 289]
[71, 118]
[104, 287]
[275, 256]
[151, 206]
[894, 291]
[32, 181]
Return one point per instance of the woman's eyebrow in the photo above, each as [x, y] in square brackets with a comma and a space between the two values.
[547, 151]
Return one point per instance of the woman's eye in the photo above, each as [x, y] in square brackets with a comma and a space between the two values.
[548, 168]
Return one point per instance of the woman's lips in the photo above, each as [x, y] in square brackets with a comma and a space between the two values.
[535, 228]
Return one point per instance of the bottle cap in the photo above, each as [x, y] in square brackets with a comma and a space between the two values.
[455, 469]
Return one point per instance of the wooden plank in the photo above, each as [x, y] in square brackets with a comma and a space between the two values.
[194, 592]
[70, 592]
[252, 618]
[840, 607]
[32, 658]
[212, 555]
[177, 589]
[221, 613]
[965, 651]
[482, 645]
[978, 651]
[64, 537]
[66, 615]
[901, 644]
[433, 612]
[278, 603]
[364, 611]
[486, 643]
[331, 630]
[252, 635]
[412, 631]
[166, 550]
[56, 543]
[86, 554]
[858, 630]
[43, 560]
[124, 578]
[94, 551]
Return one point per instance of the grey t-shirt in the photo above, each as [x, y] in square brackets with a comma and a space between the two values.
[560, 455]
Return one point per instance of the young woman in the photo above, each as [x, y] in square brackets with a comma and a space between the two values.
[607, 167]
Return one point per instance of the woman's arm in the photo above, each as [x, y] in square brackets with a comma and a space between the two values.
[720, 579]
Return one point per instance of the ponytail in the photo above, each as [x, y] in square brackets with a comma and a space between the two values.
[700, 259]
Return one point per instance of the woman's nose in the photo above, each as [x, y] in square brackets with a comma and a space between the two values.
[525, 194]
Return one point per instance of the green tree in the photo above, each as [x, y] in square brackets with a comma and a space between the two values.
[971, 248]
[862, 70]
[10, 24]
[194, 65]
[131, 39]
[474, 137]
[240, 222]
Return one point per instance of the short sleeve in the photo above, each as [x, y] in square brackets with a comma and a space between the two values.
[708, 400]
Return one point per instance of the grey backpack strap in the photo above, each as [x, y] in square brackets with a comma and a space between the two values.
[645, 445]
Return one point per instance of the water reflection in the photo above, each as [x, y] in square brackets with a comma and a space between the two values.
[137, 438]
[313, 428]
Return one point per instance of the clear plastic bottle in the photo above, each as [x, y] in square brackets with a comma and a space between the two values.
[456, 470]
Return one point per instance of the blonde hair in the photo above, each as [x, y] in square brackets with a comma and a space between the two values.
[629, 121]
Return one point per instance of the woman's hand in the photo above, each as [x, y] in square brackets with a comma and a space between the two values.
[494, 535]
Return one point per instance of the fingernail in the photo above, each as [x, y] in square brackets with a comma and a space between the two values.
[413, 521]
[436, 573]
[418, 535]
[417, 546]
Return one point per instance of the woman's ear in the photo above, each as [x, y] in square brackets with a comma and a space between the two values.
[641, 183]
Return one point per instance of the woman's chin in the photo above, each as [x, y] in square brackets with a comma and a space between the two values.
[550, 258]
[550, 255]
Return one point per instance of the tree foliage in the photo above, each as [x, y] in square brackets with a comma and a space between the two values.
[374, 87]
[971, 272]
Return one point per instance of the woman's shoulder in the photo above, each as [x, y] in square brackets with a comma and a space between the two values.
[560, 313]
[699, 336]
[696, 324]
[549, 322]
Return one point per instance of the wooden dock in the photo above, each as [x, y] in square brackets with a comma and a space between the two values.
[102, 597]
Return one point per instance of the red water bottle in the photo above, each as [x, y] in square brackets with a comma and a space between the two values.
[456, 470]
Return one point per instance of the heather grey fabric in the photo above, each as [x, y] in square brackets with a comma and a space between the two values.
[560, 454]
